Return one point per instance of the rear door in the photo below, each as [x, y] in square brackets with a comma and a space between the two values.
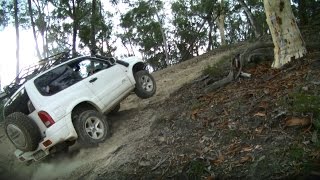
[107, 81]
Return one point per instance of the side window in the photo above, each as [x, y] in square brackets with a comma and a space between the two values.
[89, 67]
[56, 80]
[64, 76]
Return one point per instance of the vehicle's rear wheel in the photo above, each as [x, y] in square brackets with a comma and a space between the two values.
[115, 109]
[22, 131]
[145, 84]
[92, 128]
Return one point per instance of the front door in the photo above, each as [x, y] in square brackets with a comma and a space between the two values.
[107, 81]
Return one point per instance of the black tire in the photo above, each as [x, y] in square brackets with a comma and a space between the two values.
[145, 84]
[88, 124]
[115, 109]
[22, 131]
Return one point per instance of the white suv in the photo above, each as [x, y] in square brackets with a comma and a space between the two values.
[60, 103]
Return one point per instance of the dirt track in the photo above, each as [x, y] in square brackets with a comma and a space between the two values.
[130, 129]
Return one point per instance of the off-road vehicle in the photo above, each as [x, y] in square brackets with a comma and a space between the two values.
[62, 100]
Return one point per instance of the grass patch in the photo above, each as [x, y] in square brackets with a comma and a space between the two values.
[305, 103]
[219, 68]
[296, 153]
[196, 169]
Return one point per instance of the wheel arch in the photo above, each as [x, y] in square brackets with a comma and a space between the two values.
[85, 105]
[138, 67]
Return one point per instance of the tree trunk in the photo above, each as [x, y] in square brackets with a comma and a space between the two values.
[210, 43]
[74, 28]
[187, 53]
[104, 32]
[42, 26]
[250, 17]
[220, 23]
[16, 23]
[286, 36]
[33, 29]
[93, 31]
[164, 39]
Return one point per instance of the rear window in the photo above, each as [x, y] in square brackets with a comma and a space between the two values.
[57, 80]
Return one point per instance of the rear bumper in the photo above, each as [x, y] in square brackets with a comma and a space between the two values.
[61, 131]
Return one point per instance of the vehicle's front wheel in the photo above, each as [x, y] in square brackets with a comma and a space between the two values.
[92, 128]
[145, 84]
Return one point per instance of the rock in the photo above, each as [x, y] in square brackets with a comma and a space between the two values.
[161, 139]
[305, 88]
[144, 163]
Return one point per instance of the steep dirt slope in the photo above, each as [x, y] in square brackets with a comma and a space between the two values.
[130, 131]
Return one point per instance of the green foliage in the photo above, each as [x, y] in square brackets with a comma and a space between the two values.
[142, 29]
[213, 70]
[196, 169]
[306, 103]
[296, 153]
[4, 16]
[191, 19]
[307, 12]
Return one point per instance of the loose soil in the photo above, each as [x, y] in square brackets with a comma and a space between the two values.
[243, 130]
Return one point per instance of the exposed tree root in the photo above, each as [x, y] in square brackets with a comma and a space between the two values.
[257, 49]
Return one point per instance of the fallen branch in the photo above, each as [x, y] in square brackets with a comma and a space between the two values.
[159, 164]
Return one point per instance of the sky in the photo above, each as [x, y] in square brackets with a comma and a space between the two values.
[8, 53]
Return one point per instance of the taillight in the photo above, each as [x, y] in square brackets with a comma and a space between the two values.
[46, 118]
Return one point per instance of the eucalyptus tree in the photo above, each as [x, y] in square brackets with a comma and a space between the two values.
[251, 18]
[33, 25]
[16, 24]
[145, 31]
[95, 30]
[43, 18]
[286, 36]
[195, 25]
[76, 10]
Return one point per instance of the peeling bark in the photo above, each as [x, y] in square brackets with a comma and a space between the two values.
[286, 36]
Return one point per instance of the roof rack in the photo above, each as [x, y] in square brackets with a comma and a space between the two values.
[33, 70]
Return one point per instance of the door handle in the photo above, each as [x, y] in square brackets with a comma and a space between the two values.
[93, 80]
